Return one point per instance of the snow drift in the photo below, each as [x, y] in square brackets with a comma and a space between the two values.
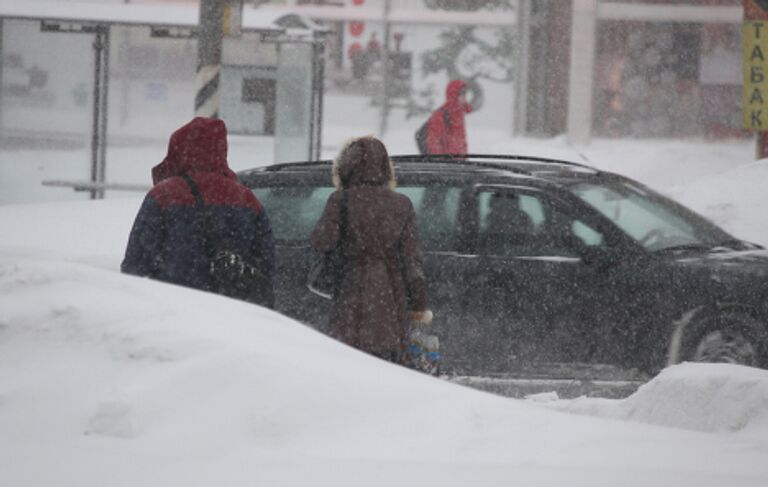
[108, 379]
[719, 398]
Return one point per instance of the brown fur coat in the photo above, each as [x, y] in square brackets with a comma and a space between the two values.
[383, 279]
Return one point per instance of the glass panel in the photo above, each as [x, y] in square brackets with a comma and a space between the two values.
[531, 205]
[648, 218]
[526, 225]
[506, 227]
[248, 100]
[293, 211]
[46, 93]
[589, 236]
[293, 105]
[437, 209]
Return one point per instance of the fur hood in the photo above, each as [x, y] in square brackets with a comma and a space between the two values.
[363, 161]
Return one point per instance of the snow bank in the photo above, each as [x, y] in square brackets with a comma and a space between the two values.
[716, 398]
[107, 379]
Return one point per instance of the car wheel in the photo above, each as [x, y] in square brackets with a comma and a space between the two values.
[730, 345]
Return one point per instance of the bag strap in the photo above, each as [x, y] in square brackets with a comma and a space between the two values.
[200, 205]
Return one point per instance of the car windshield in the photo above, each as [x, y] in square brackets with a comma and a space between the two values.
[653, 221]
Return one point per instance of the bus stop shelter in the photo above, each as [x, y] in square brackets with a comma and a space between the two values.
[271, 80]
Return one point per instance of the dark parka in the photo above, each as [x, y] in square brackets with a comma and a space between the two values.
[167, 241]
[383, 279]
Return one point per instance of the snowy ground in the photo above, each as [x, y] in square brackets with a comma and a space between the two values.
[111, 380]
[107, 379]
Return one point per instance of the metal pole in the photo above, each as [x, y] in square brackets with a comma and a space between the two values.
[312, 103]
[520, 109]
[103, 116]
[316, 105]
[209, 41]
[125, 88]
[320, 93]
[385, 72]
[97, 47]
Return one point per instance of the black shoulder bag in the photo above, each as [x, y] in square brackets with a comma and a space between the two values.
[231, 274]
[326, 269]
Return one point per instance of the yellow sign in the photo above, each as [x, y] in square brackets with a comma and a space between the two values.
[755, 98]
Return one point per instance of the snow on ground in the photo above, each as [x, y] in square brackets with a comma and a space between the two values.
[113, 380]
[716, 398]
[107, 379]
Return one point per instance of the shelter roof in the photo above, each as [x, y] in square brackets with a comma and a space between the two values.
[151, 15]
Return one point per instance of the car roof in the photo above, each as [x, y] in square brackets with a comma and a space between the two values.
[488, 168]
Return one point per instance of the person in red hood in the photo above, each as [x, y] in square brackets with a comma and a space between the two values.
[169, 239]
[446, 133]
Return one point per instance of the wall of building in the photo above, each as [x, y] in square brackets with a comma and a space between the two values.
[652, 78]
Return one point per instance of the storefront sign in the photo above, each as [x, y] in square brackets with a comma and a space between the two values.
[755, 95]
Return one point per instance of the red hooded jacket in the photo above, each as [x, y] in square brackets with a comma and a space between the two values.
[168, 240]
[450, 138]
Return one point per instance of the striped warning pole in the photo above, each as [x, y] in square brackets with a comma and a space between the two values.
[207, 97]
[209, 40]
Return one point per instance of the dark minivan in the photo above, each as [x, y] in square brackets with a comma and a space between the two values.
[547, 274]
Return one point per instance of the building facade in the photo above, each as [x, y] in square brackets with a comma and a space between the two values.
[657, 68]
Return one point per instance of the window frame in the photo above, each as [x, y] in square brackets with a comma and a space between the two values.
[569, 205]
[260, 179]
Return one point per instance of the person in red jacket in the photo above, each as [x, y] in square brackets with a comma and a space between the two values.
[169, 240]
[446, 133]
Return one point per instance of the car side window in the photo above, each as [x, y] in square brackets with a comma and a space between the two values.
[437, 209]
[293, 211]
[520, 224]
[643, 218]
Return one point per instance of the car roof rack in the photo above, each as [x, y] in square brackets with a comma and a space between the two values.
[478, 160]
[287, 165]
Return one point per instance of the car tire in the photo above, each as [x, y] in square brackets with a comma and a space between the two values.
[729, 338]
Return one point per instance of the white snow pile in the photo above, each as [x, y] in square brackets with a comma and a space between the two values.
[702, 397]
[112, 380]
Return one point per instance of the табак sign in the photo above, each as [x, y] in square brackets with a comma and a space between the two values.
[755, 33]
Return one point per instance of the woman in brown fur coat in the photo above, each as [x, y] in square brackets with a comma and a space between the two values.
[383, 287]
